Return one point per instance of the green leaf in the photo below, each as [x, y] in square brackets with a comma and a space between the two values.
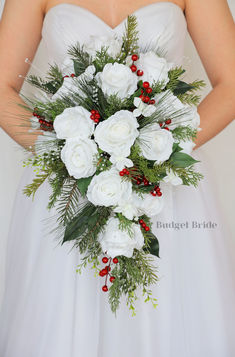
[182, 88]
[153, 245]
[176, 147]
[182, 160]
[83, 184]
[79, 224]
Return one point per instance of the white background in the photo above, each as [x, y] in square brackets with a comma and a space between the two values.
[219, 152]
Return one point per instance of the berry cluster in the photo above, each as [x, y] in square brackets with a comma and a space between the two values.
[95, 116]
[144, 225]
[156, 191]
[163, 124]
[147, 90]
[106, 271]
[71, 75]
[44, 125]
[124, 172]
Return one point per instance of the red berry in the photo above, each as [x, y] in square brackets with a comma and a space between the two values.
[115, 260]
[153, 193]
[146, 84]
[138, 182]
[149, 90]
[160, 124]
[147, 228]
[112, 278]
[152, 101]
[103, 272]
[159, 194]
[92, 116]
[96, 120]
[121, 173]
[141, 96]
[107, 268]
[141, 221]
[146, 182]
[93, 111]
[105, 260]
[133, 68]
[66, 76]
[165, 127]
[134, 57]
[125, 171]
[140, 73]
[157, 188]
[34, 114]
[105, 288]
[146, 99]
[142, 91]
[144, 225]
[168, 121]
[97, 116]
[72, 75]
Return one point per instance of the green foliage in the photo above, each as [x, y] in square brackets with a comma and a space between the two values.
[51, 84]
[184, 133]
[130, 275]
[174, 75]
[80, 58]
[37, 182]
[151, 243]
[83, 184]
[130, 38]
[102, 58]
[182, 160]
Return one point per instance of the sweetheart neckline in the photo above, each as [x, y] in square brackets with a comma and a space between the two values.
[142, 8]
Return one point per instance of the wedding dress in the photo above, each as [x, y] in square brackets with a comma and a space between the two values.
[49, 310]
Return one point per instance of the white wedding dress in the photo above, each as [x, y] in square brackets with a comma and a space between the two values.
[49, 310]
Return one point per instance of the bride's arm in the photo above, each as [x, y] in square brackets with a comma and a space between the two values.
[212, 29]
[20, 34]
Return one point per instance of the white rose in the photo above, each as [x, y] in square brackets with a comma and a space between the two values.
[74, 122]
[155, 68]
[117, 134]
[155, 143]
[172, 178]
[45, 143]
[117, 79]
[115, 242]
[78, 156]
[97, 42]
[181, 114]
[108, 188]
[148, 204]
[127, 206]
[142, 108]
[71, 84]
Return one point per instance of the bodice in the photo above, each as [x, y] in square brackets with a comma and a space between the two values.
[161, 24]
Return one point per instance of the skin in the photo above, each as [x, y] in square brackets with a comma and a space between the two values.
[210, 25]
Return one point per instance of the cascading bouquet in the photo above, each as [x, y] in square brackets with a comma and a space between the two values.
[117, 122]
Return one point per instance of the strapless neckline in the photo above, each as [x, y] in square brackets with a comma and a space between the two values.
[97, 18]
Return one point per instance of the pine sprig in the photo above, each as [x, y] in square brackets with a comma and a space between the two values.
[80, 57]
[130, 37]
[131, 274]
[184, 133]
[40, 178]
[174, 75]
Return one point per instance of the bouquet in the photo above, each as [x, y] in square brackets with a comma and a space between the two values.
[118, 123]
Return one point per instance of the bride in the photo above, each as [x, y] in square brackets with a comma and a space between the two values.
[50, 311]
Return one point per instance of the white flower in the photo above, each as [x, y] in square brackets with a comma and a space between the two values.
[172, 178]
[45, 143]
[142, 108]
[108, 188]
[71, 84]
[117, 134]
[184, 114]
[117, 79]
[187, 146]
[120, 162]
[74, 122]
[148, 204]
[115, 242]
[97, 42]
[155, 143]
[127, 206]
[155, 68]
[78, 157]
